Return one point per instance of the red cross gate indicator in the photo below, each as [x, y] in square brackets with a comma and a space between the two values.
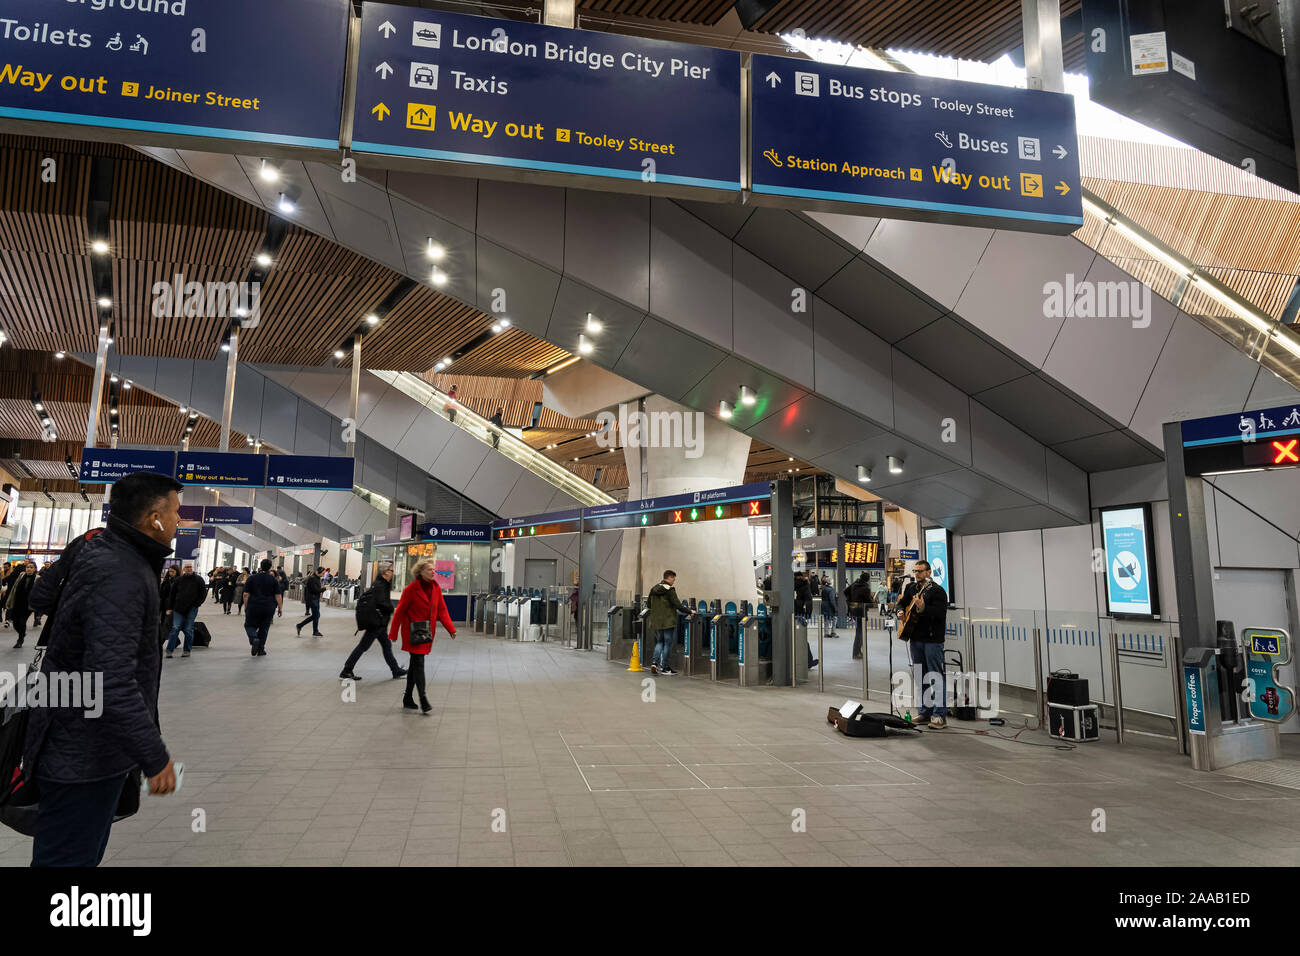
[1285, 453]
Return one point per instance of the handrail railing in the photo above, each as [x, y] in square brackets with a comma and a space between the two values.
[507, 444]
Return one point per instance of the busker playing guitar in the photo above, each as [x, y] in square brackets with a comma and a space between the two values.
[923, 611]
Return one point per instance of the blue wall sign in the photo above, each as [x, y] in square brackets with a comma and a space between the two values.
[1195, 694]
[909, 555]
[912, 147]
[208, 533]
[187, 543]
[250, 70]
[310, 471]
[220, 468]
[214, 515]
[455, 532]
[559, 102]
[99, 465]
[1247, 426]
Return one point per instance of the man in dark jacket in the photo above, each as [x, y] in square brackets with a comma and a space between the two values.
[662, 622]
[19, 600]
[105, 628]
[263, 600]
[189, 591]
[924, 633]
[311, 592]
[383, 590]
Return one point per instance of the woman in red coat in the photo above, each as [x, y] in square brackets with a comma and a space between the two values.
[421, 601]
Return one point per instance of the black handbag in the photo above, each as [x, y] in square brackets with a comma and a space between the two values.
[421, 633]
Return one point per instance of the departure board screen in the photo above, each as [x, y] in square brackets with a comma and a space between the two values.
[859, 554]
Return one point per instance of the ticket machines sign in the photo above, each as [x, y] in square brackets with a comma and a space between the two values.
[500, 97]
[310, 471]
[1267, 651]
[905, 146]
[177, 72]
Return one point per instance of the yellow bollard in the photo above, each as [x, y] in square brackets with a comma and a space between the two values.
[636, 657]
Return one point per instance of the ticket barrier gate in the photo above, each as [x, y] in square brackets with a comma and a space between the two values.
[622, 633]
[502, 604]
[695, 646]
[754, 664]
[490, 614]
[513, 608]
[724, 644]
[480, 612]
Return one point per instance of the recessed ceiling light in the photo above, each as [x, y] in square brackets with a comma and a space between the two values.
[724, 409]
[99, 247]
[434, 250]
[225, 346]
[269, 173]
[40, 407]
[58, 355]
[593, 324]
[584, 347]
[286, 204]
[747, 396]
[372, 320]
[112, 378]
[339, 353]
[438, 277]
[263, 259]
[105, 302]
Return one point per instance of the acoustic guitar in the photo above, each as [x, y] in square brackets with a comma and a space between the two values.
[908, 618]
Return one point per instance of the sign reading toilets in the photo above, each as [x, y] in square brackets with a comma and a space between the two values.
[558, 102]
[907, 146]
[167, 70]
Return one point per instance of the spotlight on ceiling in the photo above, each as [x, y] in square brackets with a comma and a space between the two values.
[584, 347]
[263, 259]
[286, 204]
[864, 474]
[113, 379]
[58, 355]
[225, 346]
[434, 250]
[269, 173]
[895, 465]
[438, 277]
[724, 410]
[372, 320]
[747, 395]
[339, 353]
[594, 325]
[99, 247]
[105, 302]
[127, 384]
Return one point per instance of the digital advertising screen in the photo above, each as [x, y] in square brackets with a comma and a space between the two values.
[1130, 567]
[938, 551]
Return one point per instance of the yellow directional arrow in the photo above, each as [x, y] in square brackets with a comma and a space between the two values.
[1062, 188]
[382, 111]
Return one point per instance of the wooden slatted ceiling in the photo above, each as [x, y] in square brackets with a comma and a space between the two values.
[484, 396]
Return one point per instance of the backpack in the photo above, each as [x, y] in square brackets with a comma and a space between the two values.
[367, 611]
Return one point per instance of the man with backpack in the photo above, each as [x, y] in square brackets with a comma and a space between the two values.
[374, 609]
[311, 592]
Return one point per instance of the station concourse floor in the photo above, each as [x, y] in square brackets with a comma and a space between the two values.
[560, 746]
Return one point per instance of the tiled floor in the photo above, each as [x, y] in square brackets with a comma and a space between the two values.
[536, 755]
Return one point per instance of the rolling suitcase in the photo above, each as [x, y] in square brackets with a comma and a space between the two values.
[202, 637]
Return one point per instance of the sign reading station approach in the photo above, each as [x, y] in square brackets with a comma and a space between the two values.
[250, 70]
[912, 147]
[557, 102]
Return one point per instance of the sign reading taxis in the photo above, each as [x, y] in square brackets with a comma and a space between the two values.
[511, 100]
[906, 146]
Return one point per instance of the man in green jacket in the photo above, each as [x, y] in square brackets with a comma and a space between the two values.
[662, 622]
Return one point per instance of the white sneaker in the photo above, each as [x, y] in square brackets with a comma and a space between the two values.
[667, 672]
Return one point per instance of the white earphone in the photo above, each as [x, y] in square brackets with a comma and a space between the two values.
[158, 524]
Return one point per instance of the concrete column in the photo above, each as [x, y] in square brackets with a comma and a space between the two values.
[586, 588]
[1193, 573]
[97, 392]
[713, 559]
[228, 401]
[1044, 62]
[782, 580]
[356, 391]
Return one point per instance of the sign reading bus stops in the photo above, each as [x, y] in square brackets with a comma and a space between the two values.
[175, 70]
[556, 102]
[905, 146]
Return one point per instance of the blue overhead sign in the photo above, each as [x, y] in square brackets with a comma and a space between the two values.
[214, 515]
[558, 102]
[113, 464]
[912, 147]
[220, 468]
[1243, 427]
[455, 532]
[310, 471]
[714, 496]
[247, 70]
[187, 543]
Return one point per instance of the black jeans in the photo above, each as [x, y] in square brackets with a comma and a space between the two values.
[75, 821]
[257, 624]
[20, 624]
[379, 634]
[313, 615]
[857, 635]
[415, 677]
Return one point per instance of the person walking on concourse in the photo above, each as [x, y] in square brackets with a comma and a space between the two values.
[189, 591]
[263, 601]
[383, 592]
[106, 623]
[311, 592]
[420, 605]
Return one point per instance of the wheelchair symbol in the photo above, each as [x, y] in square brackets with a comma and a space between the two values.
[115, 44]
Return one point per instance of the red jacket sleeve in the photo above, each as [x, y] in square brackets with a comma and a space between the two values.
[400, 614]
[444, 616]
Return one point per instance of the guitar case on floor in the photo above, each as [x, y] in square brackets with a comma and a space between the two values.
[862, 724]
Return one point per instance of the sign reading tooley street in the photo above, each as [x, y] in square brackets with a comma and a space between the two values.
[264, 71]
[557, 103]
[912, 147]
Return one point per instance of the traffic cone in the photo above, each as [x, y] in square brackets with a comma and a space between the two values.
[636, 657]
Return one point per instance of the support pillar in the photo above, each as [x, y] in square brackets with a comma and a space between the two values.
[782, 579]
[355, 395]
[1044, 62]
[586, 588]
[97, 392]
[228, 401]
[1189, 531]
